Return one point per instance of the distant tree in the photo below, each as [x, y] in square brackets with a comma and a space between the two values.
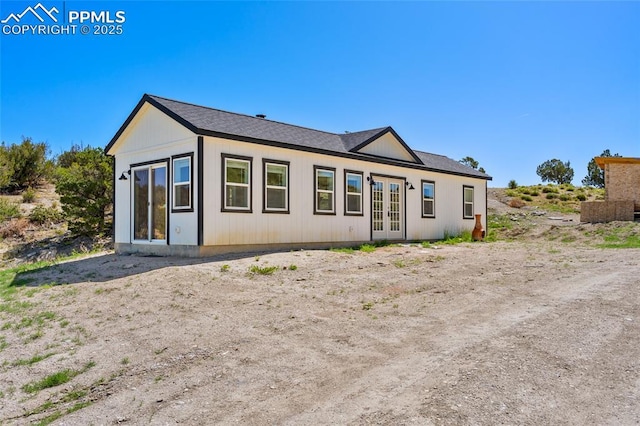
[85, 186]
[555, 171]
[595, 175]
[471, 162]
[67, 158]
[26, 164]
[512, 184]
[5, 173]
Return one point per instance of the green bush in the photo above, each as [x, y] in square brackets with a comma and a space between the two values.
[512, 184]
[8, 210]
[526, 198]
[550, 190]
[29, 195]
[45, 215]
[535, 193]
[551, 196]
[263, 270]
[85, 187]
[565, 197]
[581, 197]
[25, 164]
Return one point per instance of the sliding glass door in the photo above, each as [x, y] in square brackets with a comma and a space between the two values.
[150, 202]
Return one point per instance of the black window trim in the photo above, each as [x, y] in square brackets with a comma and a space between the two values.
[473, 207]
[175, 209]
[315, 191]
[223, 182]
[346, 204]
[265, 209]
[424, 215]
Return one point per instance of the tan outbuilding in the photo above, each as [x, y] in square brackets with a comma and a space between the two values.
[622, 191]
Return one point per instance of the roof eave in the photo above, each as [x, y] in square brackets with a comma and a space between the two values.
[347, 154]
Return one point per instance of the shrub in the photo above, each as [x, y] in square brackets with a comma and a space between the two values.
[29, 195]
[26, 163]
[511, 193]
[551, 196]
[535, 193]
[565, 197]
[13, 228]
[550, 190]
[45, 215]
[463, 236]
[512, 184]
[526, 198]
[367, 248]
[516, 203]
[8, 210]
[581, 197]
[85, 189]
[525, 191]
[263, 270]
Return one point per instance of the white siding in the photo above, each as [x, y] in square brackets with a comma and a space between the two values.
[301, 225]
[389, 147]
[152, 136]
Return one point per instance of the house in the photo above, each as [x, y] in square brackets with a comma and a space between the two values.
[196, 181]
[622, 192]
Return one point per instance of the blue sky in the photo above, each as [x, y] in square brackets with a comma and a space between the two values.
[511, 84]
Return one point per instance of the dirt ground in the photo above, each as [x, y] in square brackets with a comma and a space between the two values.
[531, 332]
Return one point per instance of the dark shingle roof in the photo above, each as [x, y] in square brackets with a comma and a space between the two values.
[213, 122]
[229, 123]
[354, 139]
[440, 162]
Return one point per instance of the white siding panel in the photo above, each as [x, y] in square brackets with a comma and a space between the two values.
[153, 136]
[388, 146]
[301, 225]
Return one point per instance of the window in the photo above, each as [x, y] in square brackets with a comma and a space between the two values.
[276, 186]
[467, 202]
[353, 193]
[236, 178]
[182, 186]
[428, 198]
[324, 190]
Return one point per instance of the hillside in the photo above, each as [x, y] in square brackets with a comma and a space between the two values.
[32, 228]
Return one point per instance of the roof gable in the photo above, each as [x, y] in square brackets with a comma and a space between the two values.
[386, 143]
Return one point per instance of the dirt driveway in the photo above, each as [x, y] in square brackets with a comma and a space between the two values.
[485, 333]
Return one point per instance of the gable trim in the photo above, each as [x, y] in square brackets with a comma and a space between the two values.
[384, 131]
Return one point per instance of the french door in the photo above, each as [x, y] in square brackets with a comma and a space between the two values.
[150, 203]
[387, 207]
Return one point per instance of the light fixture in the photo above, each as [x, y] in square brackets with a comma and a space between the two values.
[410, 185]
[123, 176]
[370, 180]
